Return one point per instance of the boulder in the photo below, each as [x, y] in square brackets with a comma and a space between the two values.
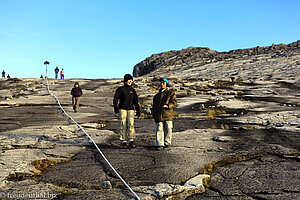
[179, 192]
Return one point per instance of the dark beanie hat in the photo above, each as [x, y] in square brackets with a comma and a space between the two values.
[127, 77]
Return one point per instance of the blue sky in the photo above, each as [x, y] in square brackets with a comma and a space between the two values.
[105, 39]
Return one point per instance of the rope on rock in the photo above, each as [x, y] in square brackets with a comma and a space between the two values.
[81, 128]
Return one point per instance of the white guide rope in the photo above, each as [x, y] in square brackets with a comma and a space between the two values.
[81, 128]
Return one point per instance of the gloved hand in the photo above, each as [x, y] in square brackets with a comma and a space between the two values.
[116, 110]
[138, 114]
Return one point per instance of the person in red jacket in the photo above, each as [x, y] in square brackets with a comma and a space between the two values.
[125, 101]
[76, 92]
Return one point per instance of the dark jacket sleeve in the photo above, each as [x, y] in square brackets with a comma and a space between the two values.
[136, 102]
[116, 98]
[81, 91]
[155, 108]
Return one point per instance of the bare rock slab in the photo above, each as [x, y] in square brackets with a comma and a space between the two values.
[170, 191]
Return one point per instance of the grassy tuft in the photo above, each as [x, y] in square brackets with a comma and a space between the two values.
[205, 182]
[207, 169]
[43, 164]
[211, 113]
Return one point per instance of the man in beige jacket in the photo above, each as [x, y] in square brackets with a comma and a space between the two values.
[163, 104]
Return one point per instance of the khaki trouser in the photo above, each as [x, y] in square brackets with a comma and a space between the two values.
[127, 131]
[75, 103]
[164, 133]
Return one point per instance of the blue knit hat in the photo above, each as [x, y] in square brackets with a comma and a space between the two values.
[164, 80]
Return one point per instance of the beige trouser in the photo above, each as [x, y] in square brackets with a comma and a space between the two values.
[127, 125]
[75, 103]
[164, 133]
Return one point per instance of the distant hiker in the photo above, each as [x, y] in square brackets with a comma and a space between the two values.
[42, 77]
[76, 92]
[125, 101]
[163, 104]
[56, 72]
[8, 76]
[62, 74]
[3, 74]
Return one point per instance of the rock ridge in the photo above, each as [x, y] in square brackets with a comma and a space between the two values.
[194, 57]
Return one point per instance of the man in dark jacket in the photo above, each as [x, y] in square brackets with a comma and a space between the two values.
[76, 92]
[56, 70]
[125, 101]
[163, 104]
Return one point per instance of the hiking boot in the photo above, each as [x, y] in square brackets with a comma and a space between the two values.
[131, 144]
[159, 147]
[124, 144]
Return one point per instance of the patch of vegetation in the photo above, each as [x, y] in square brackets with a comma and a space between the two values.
[220, 90]
[118, 184]
[213, 127]
[154, 88]
[205, 182]
[230, 160]
[178, 80]
[211, 113]
[192, 114]
[17, 95]
[14, 79]
[206, 87]
[208, 168]
[100, 121]
[43, 164]
[155, 79]
[250, 127]
[184, 180]
[18, 176]
[145, 116]
[13, 105]
[65, 191]
[86, 186]
[224, 127]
